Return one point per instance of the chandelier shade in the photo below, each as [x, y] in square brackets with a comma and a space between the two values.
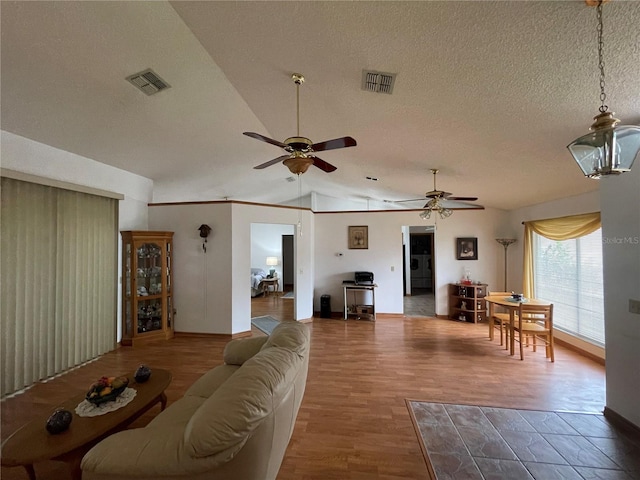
[608, 149]
[434, 205]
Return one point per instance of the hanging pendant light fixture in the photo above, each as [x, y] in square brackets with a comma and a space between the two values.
[608, 149]
[434, 205]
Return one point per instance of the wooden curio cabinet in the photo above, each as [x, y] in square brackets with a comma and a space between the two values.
[467, 303]
[147, 286]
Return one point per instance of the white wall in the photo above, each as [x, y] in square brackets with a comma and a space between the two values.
[201, 281]
[212, 290]
[384, 255]
[620, 199]
[266, 241]
[243, 216]
[26, 156]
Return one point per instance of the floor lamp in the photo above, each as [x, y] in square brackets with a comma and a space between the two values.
[505, 242]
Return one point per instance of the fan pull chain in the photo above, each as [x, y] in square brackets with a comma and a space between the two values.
[299, 205]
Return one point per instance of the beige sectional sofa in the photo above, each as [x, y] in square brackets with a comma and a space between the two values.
[234, 422]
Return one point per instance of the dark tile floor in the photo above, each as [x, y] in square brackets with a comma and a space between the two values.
[469, 442]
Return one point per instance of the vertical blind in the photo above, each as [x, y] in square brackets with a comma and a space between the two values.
[569, 274]
[59, 279]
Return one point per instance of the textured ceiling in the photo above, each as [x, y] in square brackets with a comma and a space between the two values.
[488, 92]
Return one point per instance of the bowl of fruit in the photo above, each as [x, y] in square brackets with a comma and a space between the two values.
[106, 389]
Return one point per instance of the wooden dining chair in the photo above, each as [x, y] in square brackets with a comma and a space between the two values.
[501, 319]
[534, 322]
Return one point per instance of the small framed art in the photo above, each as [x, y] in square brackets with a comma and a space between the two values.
[359, 237]
[467, 248]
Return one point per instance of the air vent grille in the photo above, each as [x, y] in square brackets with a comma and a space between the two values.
[148, 81]
[378, 82]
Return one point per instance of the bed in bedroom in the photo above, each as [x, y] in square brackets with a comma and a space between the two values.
[257, 275]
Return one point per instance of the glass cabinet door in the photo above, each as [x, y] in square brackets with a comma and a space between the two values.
[147, 311]
[128, 317]
[149, 286]
[149, 269]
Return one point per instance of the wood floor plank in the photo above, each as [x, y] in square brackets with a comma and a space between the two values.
[353, 422]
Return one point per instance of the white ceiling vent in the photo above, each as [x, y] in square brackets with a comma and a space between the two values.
[378, 81]
[148, 81]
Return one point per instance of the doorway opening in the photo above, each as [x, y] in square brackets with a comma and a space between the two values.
[288, 267]
[272, 270]
[419, 271]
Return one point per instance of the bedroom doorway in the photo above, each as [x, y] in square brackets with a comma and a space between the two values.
[288, 264]
[419, 271]
[272, 254]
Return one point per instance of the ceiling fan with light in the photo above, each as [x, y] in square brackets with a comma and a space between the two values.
[439, 201]
[300, 150]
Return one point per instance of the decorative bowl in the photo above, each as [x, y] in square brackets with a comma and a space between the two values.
[106, 389]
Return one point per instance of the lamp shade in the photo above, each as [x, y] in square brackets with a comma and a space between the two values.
[607, 151]
[272, 261]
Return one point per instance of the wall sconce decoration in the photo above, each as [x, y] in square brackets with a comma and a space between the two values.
[205, 230]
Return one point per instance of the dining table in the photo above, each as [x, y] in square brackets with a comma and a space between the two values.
[512, 305]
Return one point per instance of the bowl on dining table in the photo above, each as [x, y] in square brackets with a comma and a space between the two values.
[517, 296]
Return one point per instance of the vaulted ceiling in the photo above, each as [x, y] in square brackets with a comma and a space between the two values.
[488, 92]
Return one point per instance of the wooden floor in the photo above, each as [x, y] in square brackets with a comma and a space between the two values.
[353, 422]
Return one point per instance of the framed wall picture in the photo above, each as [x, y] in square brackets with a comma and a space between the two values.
[359, 237]
[467, 248]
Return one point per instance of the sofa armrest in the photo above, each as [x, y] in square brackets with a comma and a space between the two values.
[147, 453]
[238, 351]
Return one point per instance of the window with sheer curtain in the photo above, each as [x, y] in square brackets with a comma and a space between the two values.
[59, 279]
[569, 274]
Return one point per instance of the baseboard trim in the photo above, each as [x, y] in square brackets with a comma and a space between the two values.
[621, 421]
[579, 350]
[222, 336]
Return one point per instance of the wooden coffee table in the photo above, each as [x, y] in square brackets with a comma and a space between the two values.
[32, 443]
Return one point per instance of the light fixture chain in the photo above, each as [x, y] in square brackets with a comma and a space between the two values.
[603, 95]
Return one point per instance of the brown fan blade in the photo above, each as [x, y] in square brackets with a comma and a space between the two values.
[410, 200]
[333, 144]
[272, 162]
[322, 165]
[262, 138]
[465, 199]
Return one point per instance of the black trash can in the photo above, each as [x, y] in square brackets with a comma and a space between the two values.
[325, 306]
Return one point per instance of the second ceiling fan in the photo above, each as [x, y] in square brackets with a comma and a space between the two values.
[438, 195]
[300, 150]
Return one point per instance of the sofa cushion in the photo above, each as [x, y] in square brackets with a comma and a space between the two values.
[291, 335]
[227, 418]
[238, 351]
[210, 381]
[179, 412]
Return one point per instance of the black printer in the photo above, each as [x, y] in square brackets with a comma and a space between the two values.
[364, 278]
